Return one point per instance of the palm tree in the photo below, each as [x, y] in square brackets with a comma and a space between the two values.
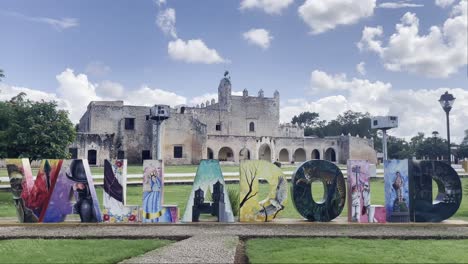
[1, 74]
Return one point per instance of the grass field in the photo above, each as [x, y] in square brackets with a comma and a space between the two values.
[75, 251]
[346, 250]
[178, 195]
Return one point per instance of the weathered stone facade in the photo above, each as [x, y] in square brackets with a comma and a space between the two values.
[233, 129]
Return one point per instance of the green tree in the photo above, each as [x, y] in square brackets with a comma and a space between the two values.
[306, 119]
[399, 148]
[34, 130]
[2, 75]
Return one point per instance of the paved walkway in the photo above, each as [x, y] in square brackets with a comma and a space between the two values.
[197, 249]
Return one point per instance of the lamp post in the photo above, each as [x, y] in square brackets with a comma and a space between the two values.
[446, 101]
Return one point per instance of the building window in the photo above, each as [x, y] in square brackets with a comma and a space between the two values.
[92, 157]
[129, 123]
[145, 155]
[73, 153]
[121, 154]
[178, 152]
[252, 127]
[218, 127]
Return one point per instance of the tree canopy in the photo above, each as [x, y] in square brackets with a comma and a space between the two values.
[34, 130]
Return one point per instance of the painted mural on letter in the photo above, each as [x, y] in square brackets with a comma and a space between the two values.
[251, 209]
[21, 182]
[209, 185]
[397, 203]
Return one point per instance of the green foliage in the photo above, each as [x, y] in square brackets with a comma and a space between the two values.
[2, 75]
[233, 192]
[34, 130]
[75, 250]
[349, 250]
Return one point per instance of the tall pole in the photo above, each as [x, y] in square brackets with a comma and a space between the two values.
[448, 138]
[384, 144]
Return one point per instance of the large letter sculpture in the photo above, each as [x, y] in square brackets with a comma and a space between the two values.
[397, 182]
[266, 210]
[449, 196]
[33, 195]
[153, 210]
[334, 197]
[74, 180]
[360, 208]
[209, 180]
[114, 196]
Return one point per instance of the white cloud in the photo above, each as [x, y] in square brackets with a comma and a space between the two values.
[418, 110]
[203, 98]
[268, 6]
[324, 15]
[259, 37]
[97, 68]
[399, 4]
[440, 53]
[444, 3]
[59, 24]
[150, 96]
[166, 22]
[193, 51]
[361, 68]
[109, 89]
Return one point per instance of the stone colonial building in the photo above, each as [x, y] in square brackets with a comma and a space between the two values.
[232, 129]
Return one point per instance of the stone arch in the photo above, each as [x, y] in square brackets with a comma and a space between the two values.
[252, 127]
[284, 155]
[226, 154]
[244, 154]
[264, 153]
[330, 155]
[209, 153]
[92, 157]
[315, 154]
[300, 155]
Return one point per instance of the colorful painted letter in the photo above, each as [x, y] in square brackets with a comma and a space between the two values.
[334, 196]
[153, 210]
[114, 196]
[21, 181]
[74, 180]
[449, 195]
[266, 210]
[209, 184]
[359, 205]
[397, 202]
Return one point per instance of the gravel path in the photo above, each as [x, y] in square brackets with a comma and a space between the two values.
[197, 249]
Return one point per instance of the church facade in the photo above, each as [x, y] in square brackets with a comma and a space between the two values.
[232, 129]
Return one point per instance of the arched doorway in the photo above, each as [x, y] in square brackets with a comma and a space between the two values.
[92, 155]
[209, 153]
[264, 153]
[244, 154]
[226, 154]
[300, 155]
[316, 154]
[330, 155]
[284, 155]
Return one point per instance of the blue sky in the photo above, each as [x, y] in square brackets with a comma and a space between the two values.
[77, 51]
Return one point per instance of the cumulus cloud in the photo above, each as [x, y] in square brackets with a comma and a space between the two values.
[258, 36]
[268, 6]
[418, 110]
[444, 3]
[58, 24]
[399, 4]
[97, 68]
[76, 91]
[324, 15]
[203, 98]
[438, 54]
[193, 51]
[166, 20]
[361, 68]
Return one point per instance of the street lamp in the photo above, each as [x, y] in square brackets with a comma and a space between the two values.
[446, 101]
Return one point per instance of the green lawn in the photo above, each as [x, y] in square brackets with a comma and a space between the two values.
[346, 250]
[75, 251]
[178, 195]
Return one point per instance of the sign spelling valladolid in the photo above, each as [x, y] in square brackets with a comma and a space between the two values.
[64, 187]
